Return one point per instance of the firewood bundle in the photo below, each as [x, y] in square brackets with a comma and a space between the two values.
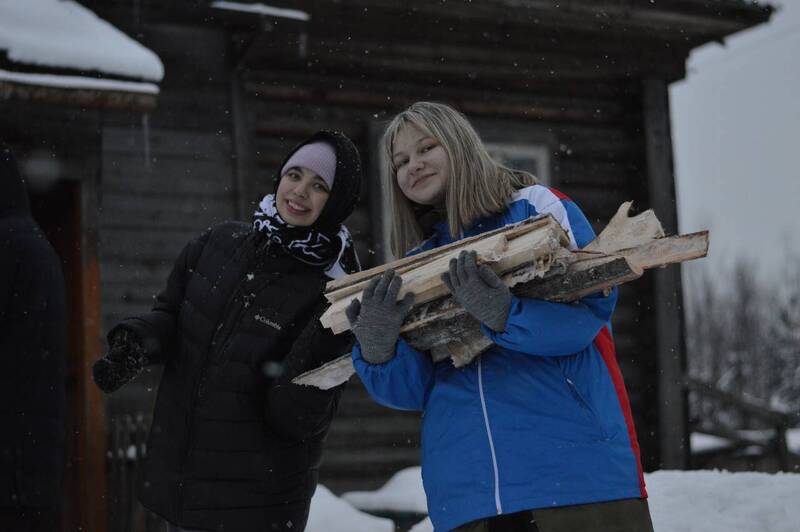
[531, 257]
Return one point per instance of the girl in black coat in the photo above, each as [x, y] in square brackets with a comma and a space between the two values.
[234, 445]
[33, 341]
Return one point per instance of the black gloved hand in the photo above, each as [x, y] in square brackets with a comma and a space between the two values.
[125, 359]
[479, 290]
[376, 319]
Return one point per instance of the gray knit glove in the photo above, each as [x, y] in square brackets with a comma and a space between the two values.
[479, 290]
[376, 320]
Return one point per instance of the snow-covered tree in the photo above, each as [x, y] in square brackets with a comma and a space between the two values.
[745, 339]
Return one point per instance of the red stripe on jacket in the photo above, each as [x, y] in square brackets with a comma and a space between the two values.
[605, 344]
[560, 195]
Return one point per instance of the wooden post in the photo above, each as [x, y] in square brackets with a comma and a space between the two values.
[668, 305]
[91, 440]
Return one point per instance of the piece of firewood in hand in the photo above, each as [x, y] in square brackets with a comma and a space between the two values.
[621, 253]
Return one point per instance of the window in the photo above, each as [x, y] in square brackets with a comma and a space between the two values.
[534, 158]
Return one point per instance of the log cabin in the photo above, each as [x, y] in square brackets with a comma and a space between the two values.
[574, 91]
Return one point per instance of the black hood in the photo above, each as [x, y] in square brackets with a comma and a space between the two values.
[347, 180]
[13, 197]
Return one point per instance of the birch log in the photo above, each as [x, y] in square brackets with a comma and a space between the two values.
[531, 244]
[621, 253]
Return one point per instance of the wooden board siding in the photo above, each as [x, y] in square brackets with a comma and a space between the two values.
[241, 90]
[166, 176]
[174, 194]
[597, 158]
[564, 76]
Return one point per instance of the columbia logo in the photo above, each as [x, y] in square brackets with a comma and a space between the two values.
[262, 319]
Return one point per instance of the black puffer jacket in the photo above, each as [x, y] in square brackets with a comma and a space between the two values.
[32, 350]
[232, 448]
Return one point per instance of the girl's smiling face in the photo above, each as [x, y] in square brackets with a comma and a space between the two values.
[421, 166]
[301, 196]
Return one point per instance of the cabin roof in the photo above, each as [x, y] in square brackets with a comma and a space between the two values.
[51, 50]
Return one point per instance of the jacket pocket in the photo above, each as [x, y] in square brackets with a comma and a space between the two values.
[589, 412]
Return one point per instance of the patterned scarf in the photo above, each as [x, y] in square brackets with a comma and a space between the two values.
[307, 244]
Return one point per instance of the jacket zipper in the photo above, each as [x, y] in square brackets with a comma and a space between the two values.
[497, 503]
[198, 385]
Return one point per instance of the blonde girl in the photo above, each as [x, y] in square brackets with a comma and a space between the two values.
[536, 434]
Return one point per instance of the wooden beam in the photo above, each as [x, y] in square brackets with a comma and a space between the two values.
[755, 408]
[668, 299]
[90, 402]
[97, 99]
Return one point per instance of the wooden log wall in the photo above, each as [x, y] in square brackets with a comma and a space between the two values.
[235, 100]
[168, 175]
[351, 68]
[595, 138]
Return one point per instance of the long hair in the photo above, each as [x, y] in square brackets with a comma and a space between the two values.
[478, 185]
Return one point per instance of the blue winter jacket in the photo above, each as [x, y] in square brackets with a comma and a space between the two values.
[541, 419]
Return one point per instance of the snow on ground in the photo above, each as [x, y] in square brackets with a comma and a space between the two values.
[64, 34]
[714, 501]
[680, 501]
[401, 493]
[331, 514]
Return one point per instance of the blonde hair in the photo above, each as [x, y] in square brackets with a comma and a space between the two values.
[478, 185]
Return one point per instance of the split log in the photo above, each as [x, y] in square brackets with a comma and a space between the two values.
[621, 253]
[530, 244]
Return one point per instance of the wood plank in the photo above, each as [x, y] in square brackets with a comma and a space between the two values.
[369, 459]
[755, 408]
[147, 249]
[164, 212]
[593, 173]
[82, 98]
[173, 142]
[91, 438]
[183, 180]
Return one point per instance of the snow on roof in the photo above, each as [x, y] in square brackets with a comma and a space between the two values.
[328, 513]
[262, 9]
[78, 82]
[64, 34]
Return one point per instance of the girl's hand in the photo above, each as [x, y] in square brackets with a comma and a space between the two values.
[376, 319]
[479, 290]
[125, 359]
